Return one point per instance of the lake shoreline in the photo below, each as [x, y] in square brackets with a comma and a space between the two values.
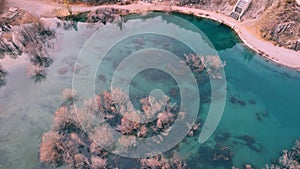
[279, 55]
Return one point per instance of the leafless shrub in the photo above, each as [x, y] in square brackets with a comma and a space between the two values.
[160, 161]
[79, 137]
[193, 128]
[164, 118]
[127, 126]
[97, 150]
[89, 115]
[98, 163]
[127, 142]
[143, 131]
[212, 64]
[66, 121]
[288, 159]
[80, 161]
[103, 136]
[51, 150]
[61, 115]
[69, 96]
[296, 148]
[195, 62]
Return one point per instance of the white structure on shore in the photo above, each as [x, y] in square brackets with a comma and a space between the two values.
[240, 8]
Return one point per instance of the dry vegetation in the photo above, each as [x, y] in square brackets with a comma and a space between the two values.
[288, 159]
[281, 24]
[79, 138]
[212, 64]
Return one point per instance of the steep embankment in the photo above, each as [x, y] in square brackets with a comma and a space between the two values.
[281, 24]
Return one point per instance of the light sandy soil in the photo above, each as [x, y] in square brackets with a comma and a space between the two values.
[277, 54]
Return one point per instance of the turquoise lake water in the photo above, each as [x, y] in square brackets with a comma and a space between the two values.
[261, 115]
[274, 89]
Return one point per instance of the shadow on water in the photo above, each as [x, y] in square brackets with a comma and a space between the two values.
[3, 75]
[39, 64]
[34, 40]
[221, 36]
[213, 157]
[248, 54]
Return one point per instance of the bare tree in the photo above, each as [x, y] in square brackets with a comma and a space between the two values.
[79, 137]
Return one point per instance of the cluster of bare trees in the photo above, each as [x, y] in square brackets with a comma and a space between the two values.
[162, 109]
[160, 161]
[211, 64]
[79, 137]
[288, 158]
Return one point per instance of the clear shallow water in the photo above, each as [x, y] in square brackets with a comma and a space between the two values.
[262, 98]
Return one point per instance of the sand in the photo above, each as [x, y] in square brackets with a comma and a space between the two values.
[280, 55]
